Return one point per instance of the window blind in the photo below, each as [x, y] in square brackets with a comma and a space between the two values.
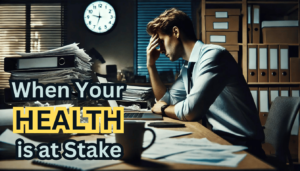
[147, 10]
[29, 28]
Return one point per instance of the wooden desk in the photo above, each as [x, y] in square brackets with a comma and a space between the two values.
[249, 162]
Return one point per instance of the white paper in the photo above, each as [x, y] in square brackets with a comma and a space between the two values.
[217, 38]
[273, 59]
[256, 16]
[274, 94]
[263, 58]
[220, 25]
[264, 101]
[254, 95]
[222, 14]
[284, 93]
[252, 58]
[163, 133]
[196, 157]
[9, 137]
[284, 59]
[249, 14]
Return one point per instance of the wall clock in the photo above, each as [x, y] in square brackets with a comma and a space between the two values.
[99, 16]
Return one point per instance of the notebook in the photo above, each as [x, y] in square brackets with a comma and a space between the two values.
[76, 164]
[132, 116]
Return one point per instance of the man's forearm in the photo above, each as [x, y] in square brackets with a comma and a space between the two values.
[170, 112]
[159, 89]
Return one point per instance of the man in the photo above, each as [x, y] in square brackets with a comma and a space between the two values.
[210, 83]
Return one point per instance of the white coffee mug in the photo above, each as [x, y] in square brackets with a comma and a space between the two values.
[132, 140]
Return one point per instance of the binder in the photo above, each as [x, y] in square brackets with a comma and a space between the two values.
[273, 93]
[255, 24]
[263, 63]
[249, 25]
[273, 63]
[39, 63]
[263, 105]
[295, 92]
[295, 69]
[254, 93]
[284, 71]
[284, 91]
[252, 63]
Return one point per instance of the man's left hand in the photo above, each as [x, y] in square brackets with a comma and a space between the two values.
[157, 107]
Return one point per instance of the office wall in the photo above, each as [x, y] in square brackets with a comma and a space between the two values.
[116, 46]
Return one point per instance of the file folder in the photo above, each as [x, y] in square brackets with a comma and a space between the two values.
[284, 71]
[254, 93]
[249, 27]
[295, 69]
[263, 105]
[273, 93]
[263, 63]
[284, 91]
[252, 63]
[295, 92]
[39, 63]
[255, 24]
[273, 63]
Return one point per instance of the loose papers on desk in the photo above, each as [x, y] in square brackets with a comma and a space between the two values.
[195, 151]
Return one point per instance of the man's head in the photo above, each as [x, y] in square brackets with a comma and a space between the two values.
[173, 27]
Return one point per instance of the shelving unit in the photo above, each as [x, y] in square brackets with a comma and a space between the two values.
[290, 7]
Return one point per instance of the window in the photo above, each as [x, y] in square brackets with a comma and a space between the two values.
[147, 10]
[29, 28]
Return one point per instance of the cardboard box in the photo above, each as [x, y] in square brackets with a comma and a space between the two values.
[221, 11]
[280, 35]
[294, 69]
[222, 24]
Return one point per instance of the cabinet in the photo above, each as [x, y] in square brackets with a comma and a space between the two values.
[270, 10]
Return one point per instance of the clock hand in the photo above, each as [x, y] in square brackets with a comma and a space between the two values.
[99, 18]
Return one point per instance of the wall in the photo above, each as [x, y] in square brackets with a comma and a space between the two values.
[116, 46]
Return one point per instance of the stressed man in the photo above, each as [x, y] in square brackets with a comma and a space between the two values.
[210, 83]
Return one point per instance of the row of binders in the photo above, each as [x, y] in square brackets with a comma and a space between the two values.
[270, 63]
[264, 96]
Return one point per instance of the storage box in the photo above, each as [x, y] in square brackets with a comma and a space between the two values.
[222, 12]
[222, 37]
[280, 35]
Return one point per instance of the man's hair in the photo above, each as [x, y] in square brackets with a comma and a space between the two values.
[170, 18]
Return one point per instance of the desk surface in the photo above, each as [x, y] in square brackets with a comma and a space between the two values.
[249, 162]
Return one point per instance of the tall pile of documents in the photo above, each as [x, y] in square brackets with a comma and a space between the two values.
[81, 69]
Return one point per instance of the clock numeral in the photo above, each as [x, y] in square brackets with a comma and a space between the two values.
[99, 28]
[100, 5]
[90, 22]
[109, 11]
[90, 11]
[105, 27]
[111, 17]
[94, 6]
[105, 6]
[88, 16]
[109, 22]
[94, 26]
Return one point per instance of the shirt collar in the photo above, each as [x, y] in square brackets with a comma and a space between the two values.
[196, 51]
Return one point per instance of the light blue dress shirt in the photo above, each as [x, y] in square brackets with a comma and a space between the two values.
[218, 91]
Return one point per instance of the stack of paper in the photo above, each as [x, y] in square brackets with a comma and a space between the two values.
[80, 71]
[137, 93]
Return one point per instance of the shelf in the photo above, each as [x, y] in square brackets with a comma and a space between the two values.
[223, 2]
[274, 2]
[274, 83]
[273, 44]
[224, 44]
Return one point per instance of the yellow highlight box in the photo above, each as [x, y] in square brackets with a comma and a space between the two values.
[48, 120]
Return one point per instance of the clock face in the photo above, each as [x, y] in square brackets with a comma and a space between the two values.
[99, 16]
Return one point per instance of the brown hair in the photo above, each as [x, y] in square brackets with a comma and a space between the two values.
[170, 18]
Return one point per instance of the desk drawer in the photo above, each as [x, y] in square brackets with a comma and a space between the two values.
[222, 37]
[222, 24]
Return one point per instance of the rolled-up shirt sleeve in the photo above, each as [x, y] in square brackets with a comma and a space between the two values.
[176, 93]
[210, 76]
